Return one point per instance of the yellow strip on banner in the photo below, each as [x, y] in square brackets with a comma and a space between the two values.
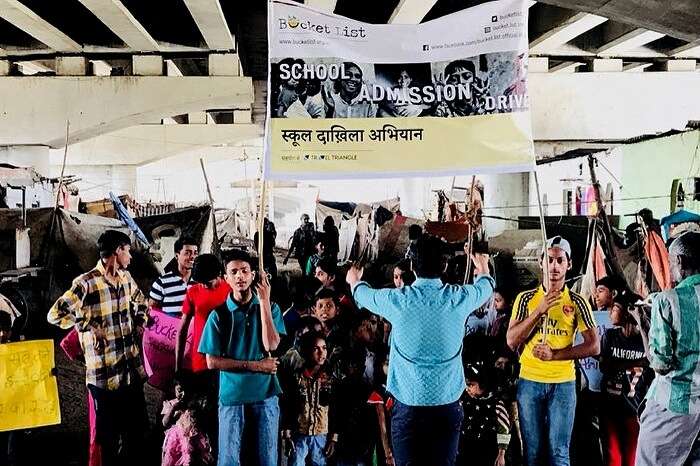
[28, 389]
[366, 146]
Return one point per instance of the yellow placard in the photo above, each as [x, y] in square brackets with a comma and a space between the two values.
[28, 388]
[362, 147]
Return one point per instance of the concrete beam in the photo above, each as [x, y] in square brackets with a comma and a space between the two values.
[689, 50]
[25, 19]
[197, 118]
[629, 41]
[242, 117]
[117, 17]
[538, 65]
[323, 5]
[71, 66]
[147, 65]
[570, 29]
[143, 144]
[98, 105]
[411, 11]
[606, 65]
[224, 64]
[33, 67]
[211, 23]
[171, 69]
[680, 65]
[101, 68]
[610, 106]
[566, 67]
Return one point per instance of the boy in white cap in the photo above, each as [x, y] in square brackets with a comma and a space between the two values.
[543, 324]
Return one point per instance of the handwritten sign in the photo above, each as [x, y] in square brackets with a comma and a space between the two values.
[159, 349]
[28, 388]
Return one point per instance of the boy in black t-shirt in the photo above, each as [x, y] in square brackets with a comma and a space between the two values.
[626, 379]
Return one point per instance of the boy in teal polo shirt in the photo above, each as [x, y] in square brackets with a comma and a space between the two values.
[237, 340]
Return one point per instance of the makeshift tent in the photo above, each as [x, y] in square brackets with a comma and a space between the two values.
[360, 226]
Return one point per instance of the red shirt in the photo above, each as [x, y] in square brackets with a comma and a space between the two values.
[200, 301]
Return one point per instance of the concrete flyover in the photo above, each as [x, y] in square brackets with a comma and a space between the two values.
[34, 110]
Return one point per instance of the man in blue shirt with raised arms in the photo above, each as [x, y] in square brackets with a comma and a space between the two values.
[426, 375]
[237, 339]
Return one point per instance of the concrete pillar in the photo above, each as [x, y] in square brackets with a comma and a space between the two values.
[124, 179]
[679, 65]
[147, 65]
[27, 156]
[607, 64]
[71, 66]
[224, 64]
[508, 192]
[4, 67]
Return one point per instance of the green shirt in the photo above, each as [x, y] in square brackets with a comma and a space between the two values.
[242, 341]
[674, 347]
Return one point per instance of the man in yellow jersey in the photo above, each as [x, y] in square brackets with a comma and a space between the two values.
[543, 326]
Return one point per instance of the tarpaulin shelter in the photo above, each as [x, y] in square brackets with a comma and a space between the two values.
[360, 225]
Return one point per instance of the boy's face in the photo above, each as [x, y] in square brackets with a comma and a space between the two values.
[239, 276]
[501, 363]
[617, 314]
[123, 254]
[559, 264]
[325, 309]
[186, 256]
[179, 392]
[603, 297]
[325, 279]
[398, 278]
[499, 302]
[319, 352]
[474, 389]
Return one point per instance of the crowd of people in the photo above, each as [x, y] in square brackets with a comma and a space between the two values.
[424, 372]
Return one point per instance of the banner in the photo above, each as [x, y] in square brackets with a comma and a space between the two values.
[159, 349]
[28, 387]
[354, 100]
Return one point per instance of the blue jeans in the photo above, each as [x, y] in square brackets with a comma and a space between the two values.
[546, 412]
[264, 417]
[426, 435]
[311, 446]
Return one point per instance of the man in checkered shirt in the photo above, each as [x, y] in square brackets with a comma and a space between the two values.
[106, 307]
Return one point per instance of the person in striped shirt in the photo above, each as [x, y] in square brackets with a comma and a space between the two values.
[670, 424]
[543, 324]
[168, 291]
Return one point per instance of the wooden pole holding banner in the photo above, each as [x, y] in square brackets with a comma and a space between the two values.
[470, 233]
[545, 257]
[216, 249]
[261, 227]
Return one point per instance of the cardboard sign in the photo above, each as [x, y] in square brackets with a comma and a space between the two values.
[28, 387]
[159, 349]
